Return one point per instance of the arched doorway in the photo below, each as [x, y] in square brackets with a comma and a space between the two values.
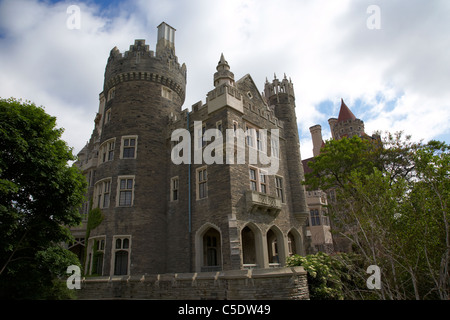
[248, 247]
[295, 245]
[211, 251]
[252, 247]
[208, 247]
[275, 247]
[272, 247]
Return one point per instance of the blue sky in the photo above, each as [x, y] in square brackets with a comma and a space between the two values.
[395, 77]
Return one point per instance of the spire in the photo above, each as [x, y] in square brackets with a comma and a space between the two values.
[223, 74]
[345, 113]
[222, 63]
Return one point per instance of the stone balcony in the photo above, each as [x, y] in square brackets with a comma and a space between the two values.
[267, 204]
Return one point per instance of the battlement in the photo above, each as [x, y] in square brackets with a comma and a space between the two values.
[141, 51]
[276, 87]
[141, 63]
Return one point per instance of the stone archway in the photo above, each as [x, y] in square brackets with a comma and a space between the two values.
[252, 247]
[295, 243]
[276, 251]
[208, 248]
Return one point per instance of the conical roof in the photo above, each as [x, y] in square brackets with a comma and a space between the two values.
[345, 113]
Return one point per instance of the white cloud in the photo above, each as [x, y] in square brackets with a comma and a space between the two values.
[400, 72]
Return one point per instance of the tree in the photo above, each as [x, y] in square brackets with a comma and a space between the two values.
[392, 204]
[40, 195]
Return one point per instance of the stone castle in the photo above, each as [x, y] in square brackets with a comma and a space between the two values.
[163, 217]
[319, 225]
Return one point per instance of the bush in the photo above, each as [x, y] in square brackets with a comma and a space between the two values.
[324, 281]
[334, 277]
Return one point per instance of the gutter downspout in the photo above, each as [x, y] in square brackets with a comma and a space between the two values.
[189, 183]
[189, 200]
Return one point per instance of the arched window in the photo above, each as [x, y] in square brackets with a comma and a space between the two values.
[211, 248]
[208, 248]
[248, 247]
[121, 255]
[272, 247]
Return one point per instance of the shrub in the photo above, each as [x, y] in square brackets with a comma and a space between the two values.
[324, 281]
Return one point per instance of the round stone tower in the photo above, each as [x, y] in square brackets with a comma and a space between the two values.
[142, 89]
[346, 125]
[281, 95]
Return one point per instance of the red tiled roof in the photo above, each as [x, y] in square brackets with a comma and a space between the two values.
[345, 113]
[306, 168]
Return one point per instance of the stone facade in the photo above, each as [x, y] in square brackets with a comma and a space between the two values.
[257, 284]
[162, 217]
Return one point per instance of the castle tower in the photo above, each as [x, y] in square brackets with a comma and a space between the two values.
[346, 125]
[281, 95]
[223, 74]
[142, 90]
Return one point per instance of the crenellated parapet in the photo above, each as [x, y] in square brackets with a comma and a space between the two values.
[277, 87]
[141, 63]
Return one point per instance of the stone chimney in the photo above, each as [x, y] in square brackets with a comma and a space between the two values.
[316, 134]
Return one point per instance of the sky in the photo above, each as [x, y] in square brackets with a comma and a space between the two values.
[388, 60]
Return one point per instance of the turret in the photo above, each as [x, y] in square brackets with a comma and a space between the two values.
[141, 91]
[281, 95]
[140, 63]
[223, 74]
[346, 125]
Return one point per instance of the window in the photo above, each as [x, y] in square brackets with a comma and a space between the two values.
[166, 93]
[125, 191]
[279, 188]
[128, 147]
[275, 148]
[253, 180]
[111, 93]
[201, 136]
[98, 256]
[251, 136]
[121, 249]
[260, 141]
[102, 192]
[258, 180]
[219, 126]
[107, 150]
[263, 181]
[108, 116]
[96, 247]
[235, 127]
[174, 189]
[315, 219]
[202, 179]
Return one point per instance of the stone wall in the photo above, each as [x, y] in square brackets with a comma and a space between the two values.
[256, 284]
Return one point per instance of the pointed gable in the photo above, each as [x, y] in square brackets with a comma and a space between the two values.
[247, 87]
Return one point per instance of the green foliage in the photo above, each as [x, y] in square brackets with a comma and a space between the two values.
[323, 276]
[334, 277]
[339, 158]
[392, 204]
[40, 195]
[95, 217]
